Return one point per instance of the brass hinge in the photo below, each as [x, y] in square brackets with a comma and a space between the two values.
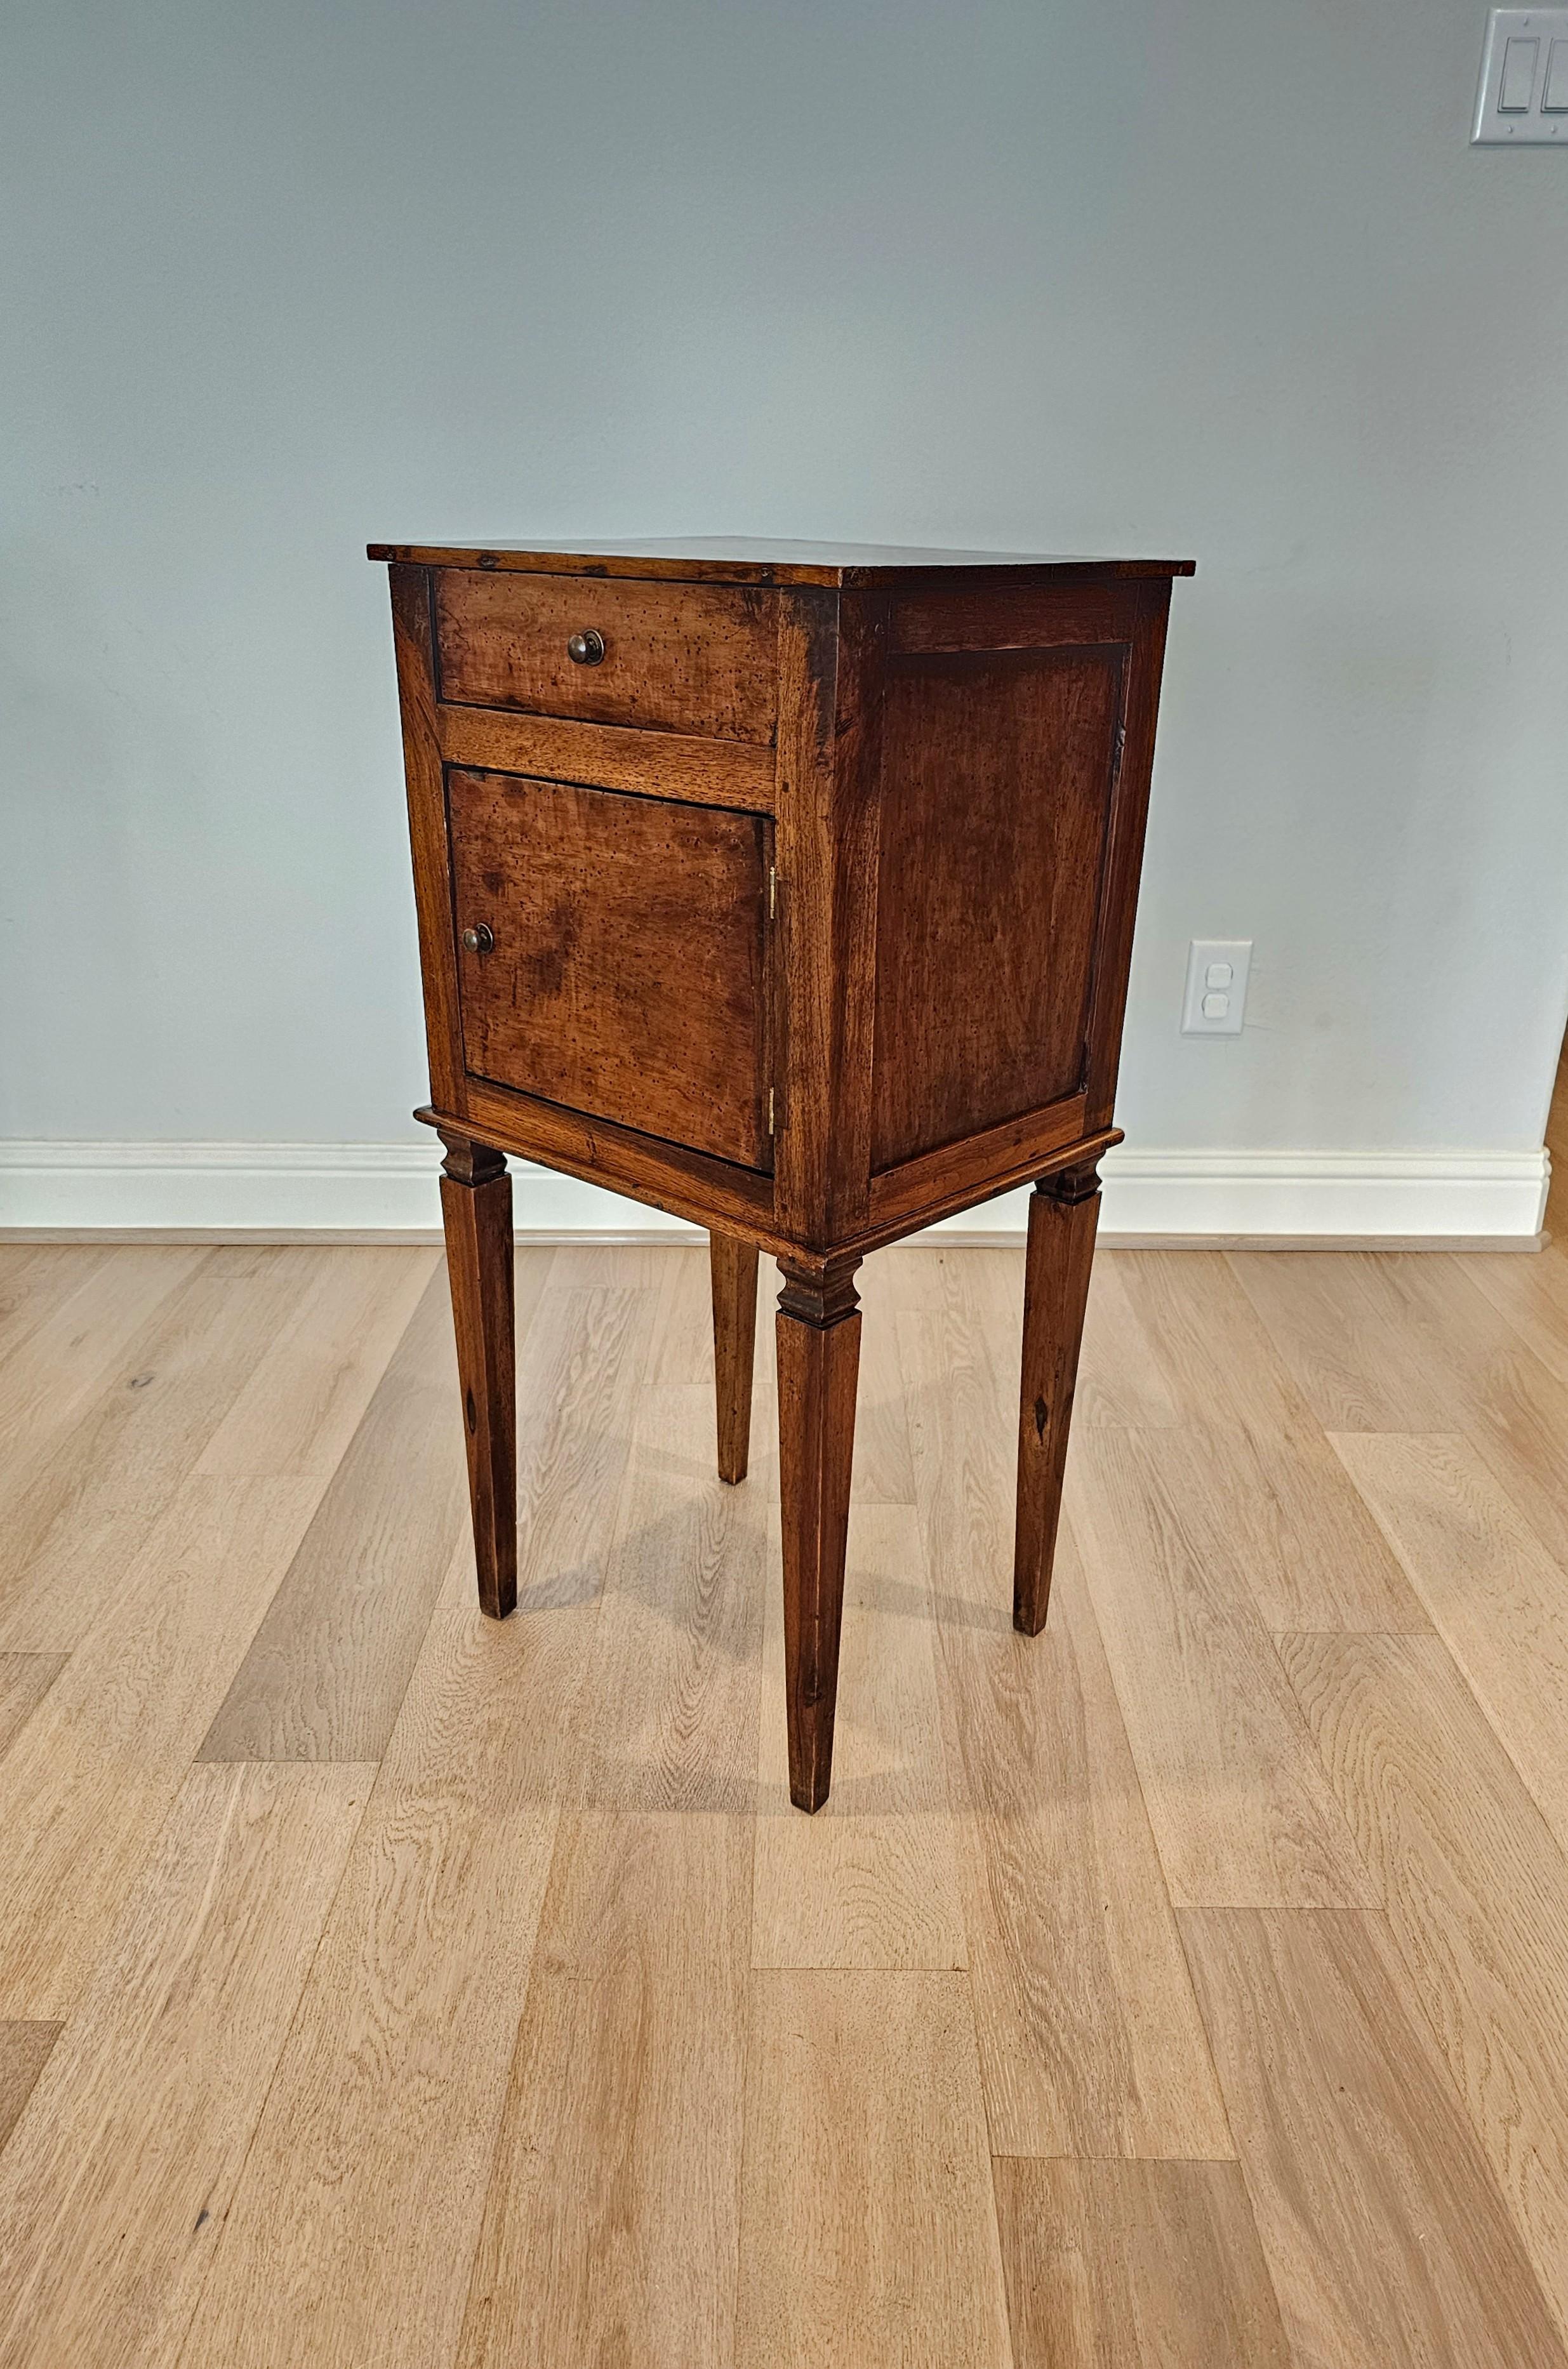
[772, 1129]
[773, 891]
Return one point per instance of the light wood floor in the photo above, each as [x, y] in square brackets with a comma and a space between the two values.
[381, 1987]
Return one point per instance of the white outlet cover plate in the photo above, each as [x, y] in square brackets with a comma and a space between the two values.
[1523, 98]
[1215, 1004]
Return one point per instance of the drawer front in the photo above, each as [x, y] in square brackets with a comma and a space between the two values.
[627, 976]
[682, 657]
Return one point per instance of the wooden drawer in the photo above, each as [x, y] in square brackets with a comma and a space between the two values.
[684, 658]
[627, 976]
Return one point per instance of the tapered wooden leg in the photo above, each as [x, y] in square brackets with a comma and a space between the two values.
[476, 1211]
[819, 1348]
[734, 1267]
[1063, 1214]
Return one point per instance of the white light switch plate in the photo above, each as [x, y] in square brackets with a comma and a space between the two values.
[1523, 98]
[1216, 998]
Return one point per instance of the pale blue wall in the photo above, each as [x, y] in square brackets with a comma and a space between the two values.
[1211, 279]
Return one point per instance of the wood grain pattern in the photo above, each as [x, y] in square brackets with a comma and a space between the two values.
[412, 635]
[24, 1679]
[66, 1359]
[867, 2226]
[34, 1279]
[682, 1352]
[106, 2245]
[1424, 1351]
[977, 1165]
[964, 1186]
[1357, 2152]
[1513, 1406]
[685, 1183]
[627, 976]
[733, 1270]
[1132, 767]
[829, 750]
[1241, 1808]
[477, 1216]
[629, 1265]
[625, 2108]
[74, 1529]
[1002, 764]
[1089, 2035]
[1498, 1600]
[690, 1185]
[90, 1779]
[1023, 618]
[1121, 1375]
[1398, 2103]
[302, 1404]
[1091, 2042]
[884, 1467]
[1120, 1380]
[24, 2052]
[762, 559]
[654, 764]
[585, 1354]
[49, 1374]
[1335, 1323]
[1535, 1300]
[632, 2047]
[376, 2141]
[873, 1880]
[671, 1724]
[1135, 2266]
[1312, 1556]
[1476, 1892]
[330, 1662]
[683, 656]
[1063, 1210]
[817, 1332]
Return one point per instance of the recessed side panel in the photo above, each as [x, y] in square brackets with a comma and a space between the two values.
[996, 782]
[611, 956]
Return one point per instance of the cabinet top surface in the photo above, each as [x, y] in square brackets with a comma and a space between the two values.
[739, 559]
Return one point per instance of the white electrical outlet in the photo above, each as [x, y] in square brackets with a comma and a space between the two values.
[1215, 998]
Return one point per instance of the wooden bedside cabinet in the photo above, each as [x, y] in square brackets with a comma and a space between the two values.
[791, 890]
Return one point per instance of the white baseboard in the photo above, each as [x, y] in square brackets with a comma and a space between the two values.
[1327, 1195]
[386, 1192]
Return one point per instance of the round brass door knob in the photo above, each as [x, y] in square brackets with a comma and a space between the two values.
[586, 649]
[479, 940]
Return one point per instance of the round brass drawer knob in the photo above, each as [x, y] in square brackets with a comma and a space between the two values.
[586, 649]
[479, 939]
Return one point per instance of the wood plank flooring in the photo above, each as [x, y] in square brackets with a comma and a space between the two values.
[1184, 1989]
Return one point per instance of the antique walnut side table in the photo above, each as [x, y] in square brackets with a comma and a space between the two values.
[789, 890]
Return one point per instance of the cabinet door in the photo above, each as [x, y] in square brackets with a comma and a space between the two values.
[627, 974]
